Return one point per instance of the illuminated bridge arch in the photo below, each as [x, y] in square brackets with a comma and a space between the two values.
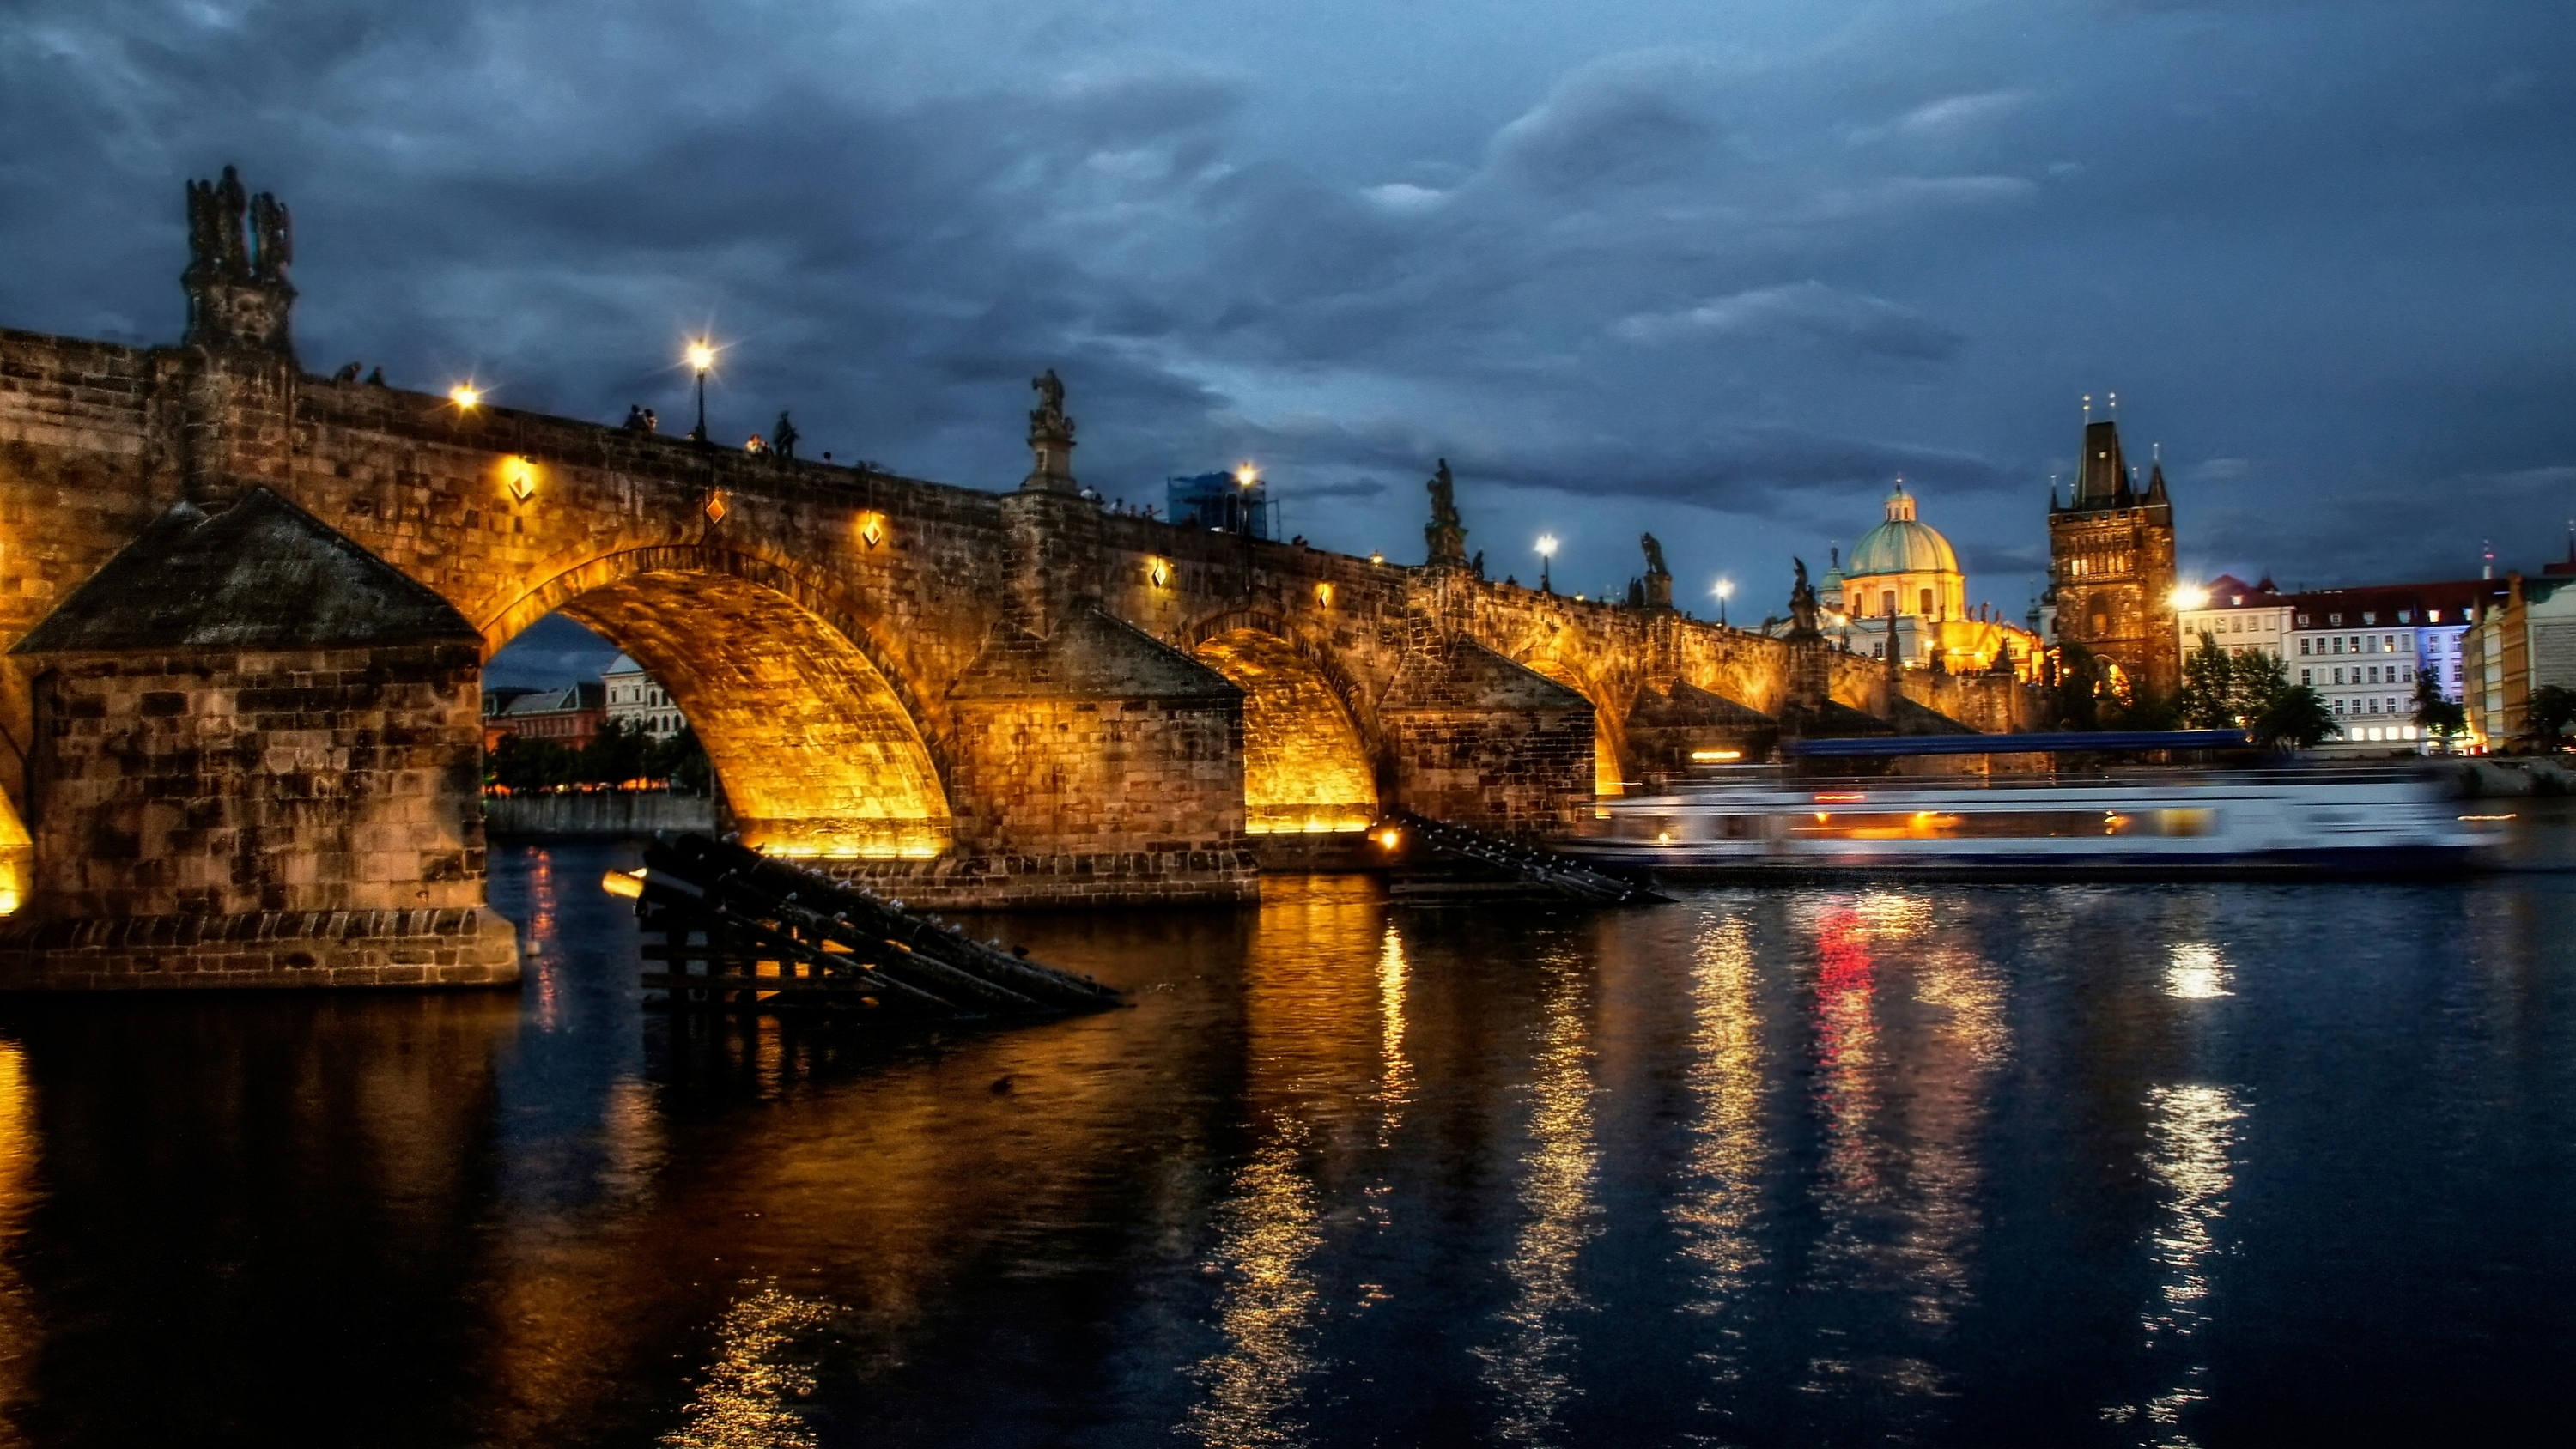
[1609, 731]
[1307, 759]
[816, 741]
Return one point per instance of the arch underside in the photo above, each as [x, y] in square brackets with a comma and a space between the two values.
[1305, 767]
[814, 748]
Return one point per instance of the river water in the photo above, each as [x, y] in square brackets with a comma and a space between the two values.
[2211, 1164]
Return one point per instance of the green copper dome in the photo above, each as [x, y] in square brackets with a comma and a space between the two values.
[1901, 545]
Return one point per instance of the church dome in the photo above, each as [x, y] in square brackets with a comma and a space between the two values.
[1901, 545]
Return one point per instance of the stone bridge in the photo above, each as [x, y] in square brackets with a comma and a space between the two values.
[246, 607]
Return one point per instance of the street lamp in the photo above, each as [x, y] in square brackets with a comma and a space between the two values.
[1725, 588]
[1546, 552]
[702, 357]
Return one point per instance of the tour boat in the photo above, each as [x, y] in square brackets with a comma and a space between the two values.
[2289, 822]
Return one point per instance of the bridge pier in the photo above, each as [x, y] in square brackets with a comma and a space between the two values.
[256, 764]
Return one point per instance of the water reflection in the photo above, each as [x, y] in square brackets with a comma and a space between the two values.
[2196, 972]
[2192, 1134]
[1531, 1369]
[1716, 1208]
[20, 1331]
[747, 1397]
[1909, 1030]
[1784, 1166]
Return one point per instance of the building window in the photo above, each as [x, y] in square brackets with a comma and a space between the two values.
[2369, 616]
[2303, 621]
[2306, 676]
[1887, 602]
[2303, 645]
[2405, 616]
[2387, 643]
[1927, 602]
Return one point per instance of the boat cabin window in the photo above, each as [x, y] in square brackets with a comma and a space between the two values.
[2001, 824]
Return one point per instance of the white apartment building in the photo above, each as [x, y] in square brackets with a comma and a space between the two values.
[2363, 650]
[2238, 616]
[635, 701]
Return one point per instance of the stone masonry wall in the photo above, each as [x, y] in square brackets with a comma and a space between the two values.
[226, 784]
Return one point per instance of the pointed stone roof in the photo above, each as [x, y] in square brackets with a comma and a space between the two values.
[262, 574]
[1467, 675]
[2102, 474]
[1092, 655]
[1690, 706]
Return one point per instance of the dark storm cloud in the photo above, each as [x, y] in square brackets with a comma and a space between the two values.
[1720, 279]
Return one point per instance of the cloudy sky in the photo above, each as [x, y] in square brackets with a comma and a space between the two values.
[1718, 269]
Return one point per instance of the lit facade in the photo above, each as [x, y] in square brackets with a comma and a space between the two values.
[2525, 641]
[2111, 565]
[636, 702]
[2240, 618]
[2364, 650]
[1902, 585]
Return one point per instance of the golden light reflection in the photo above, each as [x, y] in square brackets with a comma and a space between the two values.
[1395, 1071]
[1714, 1216]
[2192, 1136]
[2196, 972]
[1530, 1370]
[20, 1335]
[745, 1399]
[1268, 1235]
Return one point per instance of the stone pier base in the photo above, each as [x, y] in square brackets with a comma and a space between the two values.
[459, 946]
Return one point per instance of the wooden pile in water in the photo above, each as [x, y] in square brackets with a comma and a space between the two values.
[740, 931]
[1512, 868]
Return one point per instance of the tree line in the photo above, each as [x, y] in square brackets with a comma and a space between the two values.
[2249, 691]
[620, 752]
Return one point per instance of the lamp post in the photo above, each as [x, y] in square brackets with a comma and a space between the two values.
[1546, 552]
[1725, 587]
[702, 357]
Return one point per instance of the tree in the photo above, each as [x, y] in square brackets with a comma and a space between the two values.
[2079, 687]
[2208, 697]
[2297, 720]
[683, 761]
[2551, 711]
[2441, 718]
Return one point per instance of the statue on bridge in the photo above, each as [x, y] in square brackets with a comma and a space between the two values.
[1654, 557]
[1802, 606]
[238, 295]
[1447, 533]
[1050, 440]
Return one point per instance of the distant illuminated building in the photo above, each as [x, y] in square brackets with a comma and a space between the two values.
[2111, 564]
[636, 702]
[1902, 585]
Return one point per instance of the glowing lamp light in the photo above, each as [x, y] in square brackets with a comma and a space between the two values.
[871, 529]
[1712, 757]
[1390, 838]
[523, 482]
[1246, 474]
[1725, 589]
[702, 356]
[2191, 598]
[466, 396]
[1160, 572]
[715, 509]
[1376, 558]
[1547, 545]
[622, 883]
[1324, 595]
